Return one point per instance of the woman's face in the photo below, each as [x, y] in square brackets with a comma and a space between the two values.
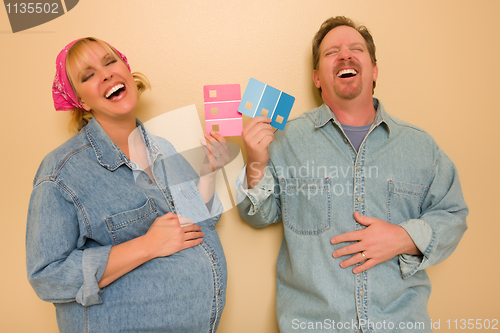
[104, 84]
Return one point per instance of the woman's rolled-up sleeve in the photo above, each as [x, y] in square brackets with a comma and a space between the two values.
[61, 267]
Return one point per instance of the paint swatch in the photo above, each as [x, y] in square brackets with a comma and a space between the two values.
[221, 109]
[261, 99]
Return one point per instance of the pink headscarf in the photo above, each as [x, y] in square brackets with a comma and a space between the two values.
[63, 95]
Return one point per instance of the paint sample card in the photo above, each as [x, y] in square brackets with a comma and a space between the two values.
[261, 99]
[221, 109]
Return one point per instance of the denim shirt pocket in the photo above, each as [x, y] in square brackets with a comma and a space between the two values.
[189, 189]
[193, 206]
[406, 199]
[133, 223]
[306, 204]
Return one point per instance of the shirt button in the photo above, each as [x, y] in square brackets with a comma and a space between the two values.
[345, 140]
[358, 168]
[359, 199]
[172, 203]
[362, 293]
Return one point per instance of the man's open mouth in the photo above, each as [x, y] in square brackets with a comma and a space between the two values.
[115, 91]
[345, 73]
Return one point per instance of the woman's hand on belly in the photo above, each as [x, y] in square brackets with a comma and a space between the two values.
[166, 236]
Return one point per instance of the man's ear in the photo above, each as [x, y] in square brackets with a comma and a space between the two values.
[317, 83]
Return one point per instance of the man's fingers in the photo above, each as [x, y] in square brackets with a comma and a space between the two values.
[255, 126]
[266, 140]
[255, 122]
[355, 259]
[258, 133]
[364, 266]
[350, 236]
[349, 249]
[253, 132]
[364, 220]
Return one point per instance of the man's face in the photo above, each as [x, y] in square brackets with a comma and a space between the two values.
[345, 69]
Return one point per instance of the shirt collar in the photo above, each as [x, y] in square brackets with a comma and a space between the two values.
[325, 114]
[108, 154]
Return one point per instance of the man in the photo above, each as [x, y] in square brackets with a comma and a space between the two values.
[367, 200]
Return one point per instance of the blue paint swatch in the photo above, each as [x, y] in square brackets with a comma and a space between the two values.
[260, 99]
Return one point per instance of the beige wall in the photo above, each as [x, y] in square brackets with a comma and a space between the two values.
[439, 69]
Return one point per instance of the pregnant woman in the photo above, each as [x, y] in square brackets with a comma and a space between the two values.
[121, 230]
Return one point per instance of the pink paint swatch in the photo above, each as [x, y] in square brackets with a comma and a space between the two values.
[221, 109]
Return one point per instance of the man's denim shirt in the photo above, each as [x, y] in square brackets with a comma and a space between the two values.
[87, 197]
[315, 181]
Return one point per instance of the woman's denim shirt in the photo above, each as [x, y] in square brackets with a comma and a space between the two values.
[87, 197]
[315, 181]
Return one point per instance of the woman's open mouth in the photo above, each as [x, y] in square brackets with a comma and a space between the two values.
[115, 91]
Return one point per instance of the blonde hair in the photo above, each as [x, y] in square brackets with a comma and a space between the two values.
[78, 56]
